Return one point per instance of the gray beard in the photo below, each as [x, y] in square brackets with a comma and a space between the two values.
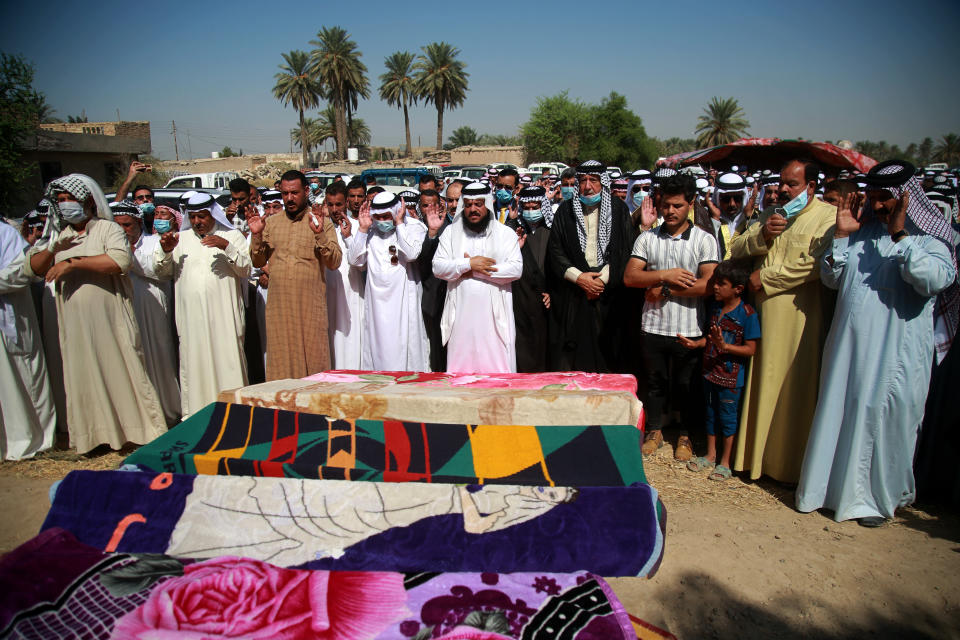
[478, 227]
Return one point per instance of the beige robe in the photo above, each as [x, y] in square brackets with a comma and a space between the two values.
[209, 286]
[110, 399]
[781, 393]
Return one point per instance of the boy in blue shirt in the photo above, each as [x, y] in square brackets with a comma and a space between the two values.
[730, 343]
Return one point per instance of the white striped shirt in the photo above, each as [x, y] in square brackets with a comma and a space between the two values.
[661, 251]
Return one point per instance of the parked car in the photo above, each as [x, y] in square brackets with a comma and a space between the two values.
[552, 167]
[215, 180]
[170, 197]
[406, 178]
[502, 165]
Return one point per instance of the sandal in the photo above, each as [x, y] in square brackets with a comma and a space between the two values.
[700, 464]
[720, 473]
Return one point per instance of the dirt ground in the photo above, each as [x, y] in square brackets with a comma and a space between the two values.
[739, 561]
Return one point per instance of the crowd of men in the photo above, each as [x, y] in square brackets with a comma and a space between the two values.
[143, 324]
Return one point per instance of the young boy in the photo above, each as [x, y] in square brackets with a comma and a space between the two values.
[730, 343]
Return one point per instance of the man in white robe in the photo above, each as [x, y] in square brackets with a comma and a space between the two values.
[344, 285]
[210, 264]
[151, 304]
[28, 420]
[478, 257]
[394, 337]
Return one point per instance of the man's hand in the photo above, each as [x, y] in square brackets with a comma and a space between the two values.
[680, 278]
[752, 202]
[591, 284]
[648, 213]
[137, 167]
[256, 224]
[364, 220]
[434, 218]
[345, 226]
[231, 209]
[218, 242]
[546, 300]
[848, 215]
[521, 237]
[58, 271]
[688, 343]
[755, 284]
[712, 208]
[481, 264]
[899, 215]
[63, 243]
[773, 227]
[317, 213]
[169, 241]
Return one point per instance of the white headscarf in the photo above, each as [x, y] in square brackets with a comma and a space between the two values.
[200, 201]
[475, 191]
[12, 246]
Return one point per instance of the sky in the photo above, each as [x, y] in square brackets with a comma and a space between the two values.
[820, 70]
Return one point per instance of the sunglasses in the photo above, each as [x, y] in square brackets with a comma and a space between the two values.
[394, 258]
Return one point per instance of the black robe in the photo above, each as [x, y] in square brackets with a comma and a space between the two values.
[434, 294]
[589, 335]
[529, 313]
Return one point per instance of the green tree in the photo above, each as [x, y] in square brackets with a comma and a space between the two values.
[672, 146]
[227, 152]
[723, 121]
[441, 80]
[78, 119]
[19, 116]
[498, 140]
[296, 86]
[925, 152]
[336, 62]
[398, 87]
[319, 130]
[556, 130]
[948, 149]
[463, 136]
[617, 135]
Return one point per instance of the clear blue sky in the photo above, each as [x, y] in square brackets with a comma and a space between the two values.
[821, 70]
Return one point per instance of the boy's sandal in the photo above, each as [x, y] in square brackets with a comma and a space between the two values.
[699, 464]
[720, 473]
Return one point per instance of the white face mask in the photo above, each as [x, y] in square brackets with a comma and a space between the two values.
[72, 212]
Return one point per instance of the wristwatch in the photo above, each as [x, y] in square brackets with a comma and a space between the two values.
[899, 235]
[665, 290]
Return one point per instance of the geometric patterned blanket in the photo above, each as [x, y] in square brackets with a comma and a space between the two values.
[57, 587]
[236, 439]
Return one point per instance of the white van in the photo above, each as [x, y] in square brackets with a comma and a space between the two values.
[217, 180]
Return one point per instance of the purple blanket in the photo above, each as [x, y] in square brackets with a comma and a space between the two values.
[330, 524]
[57, 587]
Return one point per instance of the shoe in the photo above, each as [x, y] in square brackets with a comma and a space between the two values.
[651, 442]
[872, 522]
[700, 464]
[684, 449]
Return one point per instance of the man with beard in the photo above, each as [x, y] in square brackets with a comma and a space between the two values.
[437, 217]
[299, 246]
[387, 243]
[345, 283]
[531, 301]
[589, 247]
[728, 214]
[478, 258]
[781, 392]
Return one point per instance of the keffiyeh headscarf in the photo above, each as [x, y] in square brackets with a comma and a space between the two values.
[177, 216]
[200, 201]
[80, 187]
[731, 183]
[474, 191]
[594, 168]
[897, 177]
[537, 194]
[126, 208]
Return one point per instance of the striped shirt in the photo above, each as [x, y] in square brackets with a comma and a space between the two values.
[661, 251]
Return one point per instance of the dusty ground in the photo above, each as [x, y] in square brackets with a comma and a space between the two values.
[739, 561]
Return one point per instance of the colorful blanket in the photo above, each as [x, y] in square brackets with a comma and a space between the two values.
[542, 399]
[233, 439]
[333, 524]
[57, 587]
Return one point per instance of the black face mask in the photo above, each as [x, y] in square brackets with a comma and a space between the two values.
[478, 227]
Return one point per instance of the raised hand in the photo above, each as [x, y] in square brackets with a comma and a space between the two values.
[256, 224]
[317, 213]
[899, 216]
[364, 220]
[434, 218]
[648, 213]
[712, 208]
[848, 215]
[169, 241]
[521, 237]
[345, 227]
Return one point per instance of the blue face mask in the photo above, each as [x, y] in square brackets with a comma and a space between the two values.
[567, 192]
[314, 186]
[504, 196]
[532, 215]
[591, 200]
[385, 226]
[796, 205]
[639, 197]
[146, 208]
[162, 226]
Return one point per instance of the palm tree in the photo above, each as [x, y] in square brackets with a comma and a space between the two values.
[295, 85]
[397, 86]
[319, 130]
[336, 62]
[948, 150]
[721, 123]
[463, 136]
[441, 80]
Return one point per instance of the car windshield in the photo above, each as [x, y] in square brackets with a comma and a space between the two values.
[474, 174]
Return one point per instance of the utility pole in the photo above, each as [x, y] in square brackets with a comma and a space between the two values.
[189, 147]
[118, 114]
[176, 151]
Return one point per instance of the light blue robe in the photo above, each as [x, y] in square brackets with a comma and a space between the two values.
[876, 372]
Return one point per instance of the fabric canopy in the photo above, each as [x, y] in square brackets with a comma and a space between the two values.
[770, 153]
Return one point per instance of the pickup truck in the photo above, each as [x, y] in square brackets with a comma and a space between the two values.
[216, 180]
